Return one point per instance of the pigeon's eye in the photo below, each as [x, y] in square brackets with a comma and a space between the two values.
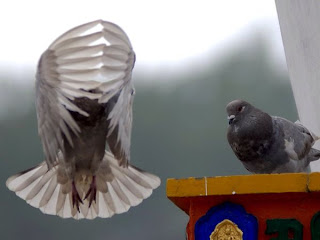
[240, 108]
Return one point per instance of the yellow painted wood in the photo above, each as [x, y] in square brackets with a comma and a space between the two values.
[186, 187]
[258, 183]
[314, 182]
[245, 184]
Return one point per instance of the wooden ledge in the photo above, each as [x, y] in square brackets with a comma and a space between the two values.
[244, 184]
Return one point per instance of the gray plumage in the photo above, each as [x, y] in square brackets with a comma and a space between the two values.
[267, 144]
[84, 97]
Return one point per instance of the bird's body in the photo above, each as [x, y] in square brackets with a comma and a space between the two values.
[84, 97]
[266, 144]
[89, 146]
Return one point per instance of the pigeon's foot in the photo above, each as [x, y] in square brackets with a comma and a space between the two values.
[92, 192]
[75, 197]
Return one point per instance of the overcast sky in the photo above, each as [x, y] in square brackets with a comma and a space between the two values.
[161, 32]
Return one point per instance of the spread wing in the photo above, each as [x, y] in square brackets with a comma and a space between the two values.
[93, 60]
[298, 139]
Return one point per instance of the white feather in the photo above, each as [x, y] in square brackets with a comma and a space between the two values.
[126, 187]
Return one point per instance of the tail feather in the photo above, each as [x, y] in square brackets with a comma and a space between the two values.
[131, 194]
[49, 201]
[50, 190]
[127, 185]
[107, 203]
[143, 178]
[44, 180]
[66, 209]
[119, 192]
[313, 135]
[24, 179]
[104, 205]
[118, 188]
[37, 196]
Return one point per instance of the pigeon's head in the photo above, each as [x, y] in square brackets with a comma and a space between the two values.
[237, 109]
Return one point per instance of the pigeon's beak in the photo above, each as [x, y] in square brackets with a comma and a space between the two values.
[231, 118]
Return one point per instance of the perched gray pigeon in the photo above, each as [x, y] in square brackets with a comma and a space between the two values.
[266, 144]
[84, 96]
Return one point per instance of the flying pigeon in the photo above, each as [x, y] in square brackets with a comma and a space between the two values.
[84, 96]
[268, 144]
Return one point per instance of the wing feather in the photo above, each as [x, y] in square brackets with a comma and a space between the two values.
[119, 135]
[298, 140]
[75, 32]
[95, 61]
[80, 52]
[79, 41]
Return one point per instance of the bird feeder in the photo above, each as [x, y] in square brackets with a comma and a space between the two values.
[250, 207]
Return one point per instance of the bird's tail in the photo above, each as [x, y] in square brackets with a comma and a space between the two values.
[118, 188]
[313, 135]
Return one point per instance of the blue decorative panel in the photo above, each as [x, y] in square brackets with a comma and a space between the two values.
[247, 223]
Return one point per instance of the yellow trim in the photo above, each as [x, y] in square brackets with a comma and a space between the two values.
[186, 187]
[245, 184]
[314, 182]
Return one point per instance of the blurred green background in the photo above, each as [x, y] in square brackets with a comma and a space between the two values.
[179, 131]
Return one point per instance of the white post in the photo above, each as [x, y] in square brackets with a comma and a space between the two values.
[300, 29]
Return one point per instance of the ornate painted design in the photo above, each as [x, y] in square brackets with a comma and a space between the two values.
[226, 230]
[248, 225]
[283, 227]
[315, 226]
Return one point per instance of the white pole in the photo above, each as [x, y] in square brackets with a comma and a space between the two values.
[300, 29]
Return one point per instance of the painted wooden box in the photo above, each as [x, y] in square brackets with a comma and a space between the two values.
[266, 206]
